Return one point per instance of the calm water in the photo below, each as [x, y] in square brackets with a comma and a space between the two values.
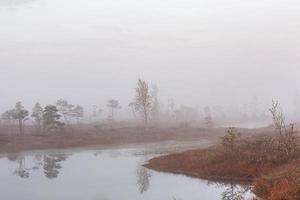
[100, 175]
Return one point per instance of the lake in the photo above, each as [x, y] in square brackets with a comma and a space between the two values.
[104, 174]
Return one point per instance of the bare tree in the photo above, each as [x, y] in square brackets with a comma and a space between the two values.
[113, 104]
[278, 117]
[143, 100]
[287, 139]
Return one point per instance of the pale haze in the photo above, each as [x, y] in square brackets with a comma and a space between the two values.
[197, 52]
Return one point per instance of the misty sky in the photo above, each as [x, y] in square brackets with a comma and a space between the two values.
[198, 52]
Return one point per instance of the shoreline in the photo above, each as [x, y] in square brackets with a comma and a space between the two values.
[268, 180]
[120, 137]
[11, 143]
[173, 146]
[239, 180]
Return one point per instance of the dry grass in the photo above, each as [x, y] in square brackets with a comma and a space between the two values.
[273, 177]
[92, 136]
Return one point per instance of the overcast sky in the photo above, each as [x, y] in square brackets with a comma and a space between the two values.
[198, 52]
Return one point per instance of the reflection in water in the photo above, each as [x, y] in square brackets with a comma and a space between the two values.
[114, 154]
[37, 162]
[21, 171]
[12, 157]
[143, 179]
[100, 176]
[51, 164]
[234, 191]
[97, 153]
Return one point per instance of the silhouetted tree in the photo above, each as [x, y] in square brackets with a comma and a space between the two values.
[65, 109]
[133, 108]
[7, 115]
[171, 109]
[51, 118]
[112, 105]
[96, 112]
[78, 113]
[185, 114]
[8, 118]
[143, 100]
[20, 114]
[37, 115]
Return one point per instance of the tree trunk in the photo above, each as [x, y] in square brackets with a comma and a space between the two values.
[112, 115]
[145, 117]
[21, 126]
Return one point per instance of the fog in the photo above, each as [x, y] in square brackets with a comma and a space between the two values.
[149, 99]
[199, 53]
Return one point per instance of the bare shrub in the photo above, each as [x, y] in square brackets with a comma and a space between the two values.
[287, 142]
[260, 150]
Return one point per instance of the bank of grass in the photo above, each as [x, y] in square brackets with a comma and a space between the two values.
[89, 136]
[257, 161]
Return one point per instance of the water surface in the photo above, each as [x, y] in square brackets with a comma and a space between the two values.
[109, 174]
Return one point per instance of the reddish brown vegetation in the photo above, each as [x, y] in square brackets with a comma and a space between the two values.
[207, 164]
[281, 183]
[275, 177]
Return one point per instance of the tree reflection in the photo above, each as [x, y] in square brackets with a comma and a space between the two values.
[21, 171]
[52, 165]
[12, 157]
[143, 179]
[38, 162]
[234, 191]
[114, 153]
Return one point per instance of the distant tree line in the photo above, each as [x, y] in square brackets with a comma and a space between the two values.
[145, 109]
[45, 119]
[55, 117]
